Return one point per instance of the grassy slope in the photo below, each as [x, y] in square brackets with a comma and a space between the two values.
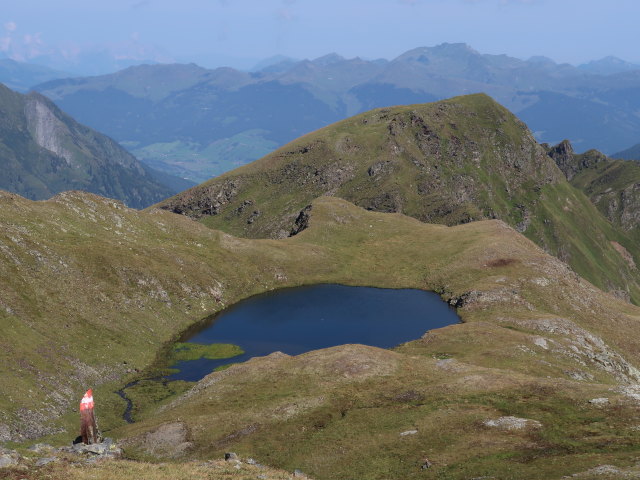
[447, 162]
[338, 413]
[199, 163]
[612, 185]
[126, 470]
[143, 277]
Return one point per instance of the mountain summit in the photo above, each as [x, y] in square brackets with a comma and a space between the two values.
[450, 162]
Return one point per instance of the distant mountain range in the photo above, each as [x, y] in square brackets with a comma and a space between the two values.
[196, 123]
[43, 151]
[22, 76]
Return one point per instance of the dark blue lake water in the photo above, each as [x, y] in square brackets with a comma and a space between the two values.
[297, 320]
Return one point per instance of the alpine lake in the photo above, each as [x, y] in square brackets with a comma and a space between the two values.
[292, 321]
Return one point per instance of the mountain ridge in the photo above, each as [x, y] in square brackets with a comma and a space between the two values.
[44, 151]
[450, 162]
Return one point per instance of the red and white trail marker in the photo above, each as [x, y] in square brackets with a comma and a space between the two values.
[88, 426]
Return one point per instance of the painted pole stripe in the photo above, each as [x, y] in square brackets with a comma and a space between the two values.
[87, 401]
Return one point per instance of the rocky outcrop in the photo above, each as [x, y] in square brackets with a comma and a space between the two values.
[212, 201]
[562, 154]
[42, 454]
[571, 163]
[302, 222]
[584, 347]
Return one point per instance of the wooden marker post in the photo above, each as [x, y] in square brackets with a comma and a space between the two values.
[88, 426]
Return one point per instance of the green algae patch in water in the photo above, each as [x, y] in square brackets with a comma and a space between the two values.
[183, 352]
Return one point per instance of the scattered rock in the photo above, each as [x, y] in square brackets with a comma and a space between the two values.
[409, 396]
[541, 342]
[579, 375]
[599, 401]
[408, 432]
[107, 449]
[583, 347]
[601, 470]
[5, 433]
[254, 215]
[40, 447]
[41, 462]
[426, 464]
[251, 461]
[248, 430]
[450, 365]
[512, 423]
[95, 448]
[631, 391]
[9, 459]
[384, 167]
[299, 474]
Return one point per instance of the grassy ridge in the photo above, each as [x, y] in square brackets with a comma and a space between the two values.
[448, 162]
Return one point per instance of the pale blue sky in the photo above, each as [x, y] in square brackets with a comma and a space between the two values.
[240, 32]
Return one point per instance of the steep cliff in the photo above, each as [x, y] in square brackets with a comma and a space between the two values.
[43, 151]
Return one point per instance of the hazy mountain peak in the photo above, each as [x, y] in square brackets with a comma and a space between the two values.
[454, 48]
[328, 59]
[608, 65]
[541, 59]
[449, 51]
[276, 61]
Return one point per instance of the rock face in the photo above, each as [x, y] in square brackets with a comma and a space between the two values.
[562, 154]
[44, 151]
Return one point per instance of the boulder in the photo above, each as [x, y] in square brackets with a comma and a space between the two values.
[512, 423]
